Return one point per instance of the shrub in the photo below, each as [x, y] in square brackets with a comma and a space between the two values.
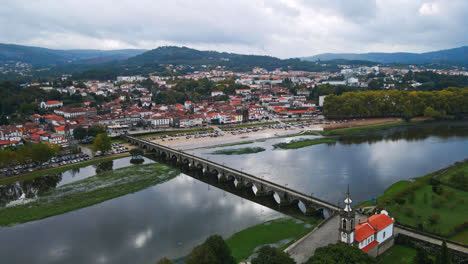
[411, 197]
[448, 194]
[434, 218]
[436, 203]
[408, 210]
[437, 189]
[400, 201]
[270, 255]
[425, 198]
[452, 205]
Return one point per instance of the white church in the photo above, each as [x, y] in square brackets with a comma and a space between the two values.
[373, 235]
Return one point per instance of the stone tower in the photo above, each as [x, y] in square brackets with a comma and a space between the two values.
[346, 228]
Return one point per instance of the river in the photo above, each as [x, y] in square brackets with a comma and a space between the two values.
[170, 218]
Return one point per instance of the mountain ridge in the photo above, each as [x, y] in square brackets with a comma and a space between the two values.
[455, 56]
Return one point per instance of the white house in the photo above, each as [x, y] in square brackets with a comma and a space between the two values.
[216, 93]
[51, 104]
[374, 231]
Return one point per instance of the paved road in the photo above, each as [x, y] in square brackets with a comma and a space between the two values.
[322, 236]
[430, 239]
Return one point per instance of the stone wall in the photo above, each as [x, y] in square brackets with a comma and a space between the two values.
[385, 245]
[431, 249]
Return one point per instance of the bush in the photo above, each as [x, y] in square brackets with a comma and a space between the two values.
[448, 194]
[411, 197]
[400, 201]
[271, 255]
[434, 219]
[425, 198]
[437, 189]
[436, 203]
[213, 251]
[164, 261]
[408, 210]
[340, 253]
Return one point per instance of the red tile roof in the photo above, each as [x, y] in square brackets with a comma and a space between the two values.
[372, 225]
[363, 231]
[380, 221]
[370, 246]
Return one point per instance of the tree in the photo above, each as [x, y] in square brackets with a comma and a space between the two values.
[434, 219]
[430, 112]
[271, 255]
[220, 249]
[164, 261]
[340, 253]
[136, 153]
[201, 255]
[95, 130]
[102, 143]
[422, 257]
[444, 256]
[79, 133]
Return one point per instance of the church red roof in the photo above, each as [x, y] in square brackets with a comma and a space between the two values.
[372, 225]
[370, 246]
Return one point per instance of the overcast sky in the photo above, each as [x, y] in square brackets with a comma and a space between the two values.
[283, 28]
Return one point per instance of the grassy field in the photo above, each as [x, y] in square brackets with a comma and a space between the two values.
[398, 254]
[280, 232]
[452, 206]
[461, 237]
[172, 132]
[414, 204]
[296, 144]
[87, 192]
[32, 175]
[238, 151]
[365, 129]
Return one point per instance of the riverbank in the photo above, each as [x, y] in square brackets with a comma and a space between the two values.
[366, 128]
[428, 203]
[279, 233]
[87, 192]
[33, 175]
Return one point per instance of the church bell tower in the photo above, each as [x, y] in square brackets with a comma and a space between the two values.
[346, 229]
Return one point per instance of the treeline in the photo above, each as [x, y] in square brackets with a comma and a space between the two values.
[39, 152]
[448, 103]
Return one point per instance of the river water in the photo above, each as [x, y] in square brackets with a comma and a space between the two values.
[170, 218]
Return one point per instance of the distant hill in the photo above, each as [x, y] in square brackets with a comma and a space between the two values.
[50, 57]
[238, 62]
[449, 56]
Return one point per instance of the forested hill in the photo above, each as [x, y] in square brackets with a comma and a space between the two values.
[40, 57]
[457, 56]
[237, 62]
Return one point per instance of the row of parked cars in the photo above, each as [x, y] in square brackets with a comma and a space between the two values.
[52, 163]
[116, 149]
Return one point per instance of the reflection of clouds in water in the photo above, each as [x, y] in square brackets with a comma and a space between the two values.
[102, 259]
[58, 251]
[142, 238]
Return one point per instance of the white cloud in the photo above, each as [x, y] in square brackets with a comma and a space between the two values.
[428, 9]
[284, 28]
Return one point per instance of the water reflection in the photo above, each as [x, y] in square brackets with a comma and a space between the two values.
[169, 219]
[164, 220]
[104, 166]
[28, 189]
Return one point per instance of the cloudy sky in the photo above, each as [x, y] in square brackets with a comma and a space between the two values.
[283, 28]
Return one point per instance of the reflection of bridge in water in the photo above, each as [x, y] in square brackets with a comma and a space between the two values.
[238, 182]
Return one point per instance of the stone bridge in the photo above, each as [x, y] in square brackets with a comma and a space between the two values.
[283, 196]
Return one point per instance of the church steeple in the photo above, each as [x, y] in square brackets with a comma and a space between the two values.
[348, 202]
[347, 221]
